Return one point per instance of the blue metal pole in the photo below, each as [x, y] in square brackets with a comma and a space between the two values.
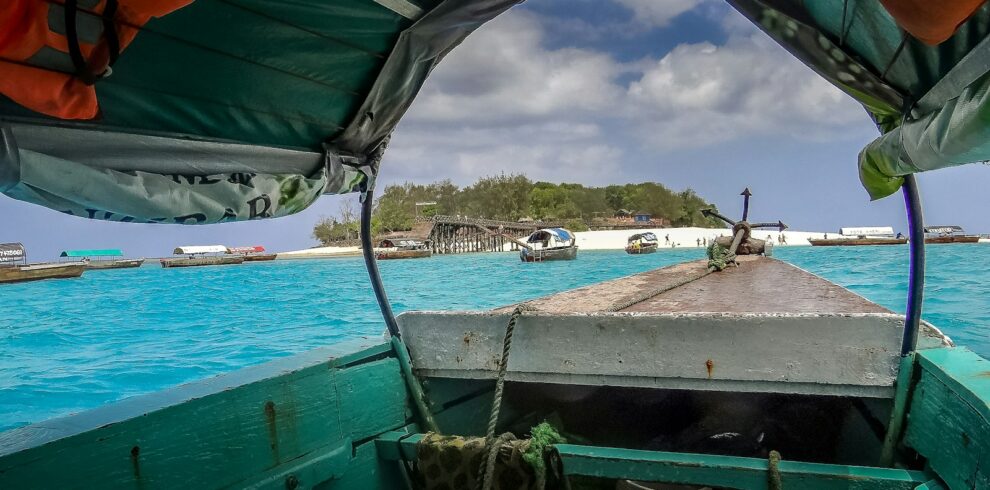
[367, 249]
[420, 400]
[916, 281]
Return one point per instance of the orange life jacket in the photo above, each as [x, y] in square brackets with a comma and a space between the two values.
[931, 21]
[36, 65]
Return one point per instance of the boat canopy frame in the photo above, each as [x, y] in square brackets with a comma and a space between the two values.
[109, 252]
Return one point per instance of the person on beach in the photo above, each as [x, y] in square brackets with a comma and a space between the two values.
[698, 242]
[666, 239]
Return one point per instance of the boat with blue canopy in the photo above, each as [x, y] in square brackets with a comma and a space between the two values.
[549, 244]
[642, 243]
[733, 371]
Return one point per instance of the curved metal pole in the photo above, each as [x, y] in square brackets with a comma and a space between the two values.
[916, 281]
[371, 264]
[420, 400]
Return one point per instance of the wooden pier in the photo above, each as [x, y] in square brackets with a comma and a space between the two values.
[455, 235]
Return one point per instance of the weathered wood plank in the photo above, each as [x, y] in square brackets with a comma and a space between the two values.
[727, 471]
[964, 371]
[236, 436]
[854, 355]
[948, 421]
[368, 472]
[461, 406]
[696, 469]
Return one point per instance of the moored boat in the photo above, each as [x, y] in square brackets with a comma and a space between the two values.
[858, 236]
[642, 243]
[402, 248]
[202, 255]
[948, 234]
[252, 254]
[549, 244]
[15, 268]
[102, 259]
[855, 241]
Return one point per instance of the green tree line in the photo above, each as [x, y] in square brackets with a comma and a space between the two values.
[513, 197]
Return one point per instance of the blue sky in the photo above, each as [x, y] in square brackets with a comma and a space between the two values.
[683, 92]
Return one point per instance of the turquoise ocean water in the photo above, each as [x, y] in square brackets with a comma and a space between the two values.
[66, 346]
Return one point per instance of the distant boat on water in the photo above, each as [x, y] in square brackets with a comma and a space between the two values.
[642, 243]
[402, 248]
[856, 236]
[948, 234]
[202, 255]
[14, 266]
[252, 254]
[102, 259]
[549, 244]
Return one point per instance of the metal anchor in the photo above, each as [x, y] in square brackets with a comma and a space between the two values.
[742, 243]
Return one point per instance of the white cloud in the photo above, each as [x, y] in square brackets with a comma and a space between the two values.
[501, 72]
[705, 93]
[658, 13]
[502, 101]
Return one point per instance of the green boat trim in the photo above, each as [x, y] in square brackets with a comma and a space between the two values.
[690, 469]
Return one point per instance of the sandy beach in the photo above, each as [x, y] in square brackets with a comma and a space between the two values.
[320, 253]
[686, 237]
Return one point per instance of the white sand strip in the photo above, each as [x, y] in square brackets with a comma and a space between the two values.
[320, 253]
[686, 237]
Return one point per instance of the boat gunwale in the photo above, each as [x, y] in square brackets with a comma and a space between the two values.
[343, 354]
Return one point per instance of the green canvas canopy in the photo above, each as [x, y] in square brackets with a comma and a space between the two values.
[928, 96]
[223, 110]
[109, 252]
[214, 110]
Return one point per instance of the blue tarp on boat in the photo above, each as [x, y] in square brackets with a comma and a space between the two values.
[561, 234]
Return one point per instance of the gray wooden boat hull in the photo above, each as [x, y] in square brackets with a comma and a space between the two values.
[200, 261]
[37, 272]
[114, 264]
[544, 255]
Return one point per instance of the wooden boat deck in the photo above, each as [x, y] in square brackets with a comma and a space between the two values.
[758, 285]
[764, 326]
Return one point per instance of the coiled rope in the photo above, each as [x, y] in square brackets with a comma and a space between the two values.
[487, 472]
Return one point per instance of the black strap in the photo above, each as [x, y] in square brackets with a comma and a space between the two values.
[72, 39]
[110, 30]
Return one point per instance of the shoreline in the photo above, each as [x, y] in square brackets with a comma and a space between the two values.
[320, 253]
[688, 237]
[672, 238]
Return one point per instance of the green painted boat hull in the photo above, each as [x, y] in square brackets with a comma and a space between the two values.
[329, 419]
